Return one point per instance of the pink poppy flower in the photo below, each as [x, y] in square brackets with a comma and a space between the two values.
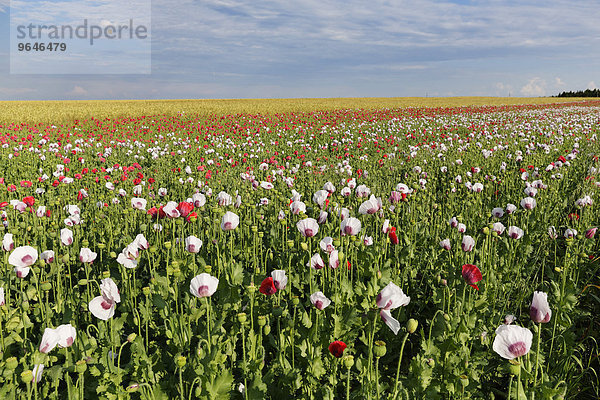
[308, 227]
[350, 226]
[540, 311]
[230, 221]
[512, 341]
[203, 285]
[319, 300]
[390, 298]
[192, 244]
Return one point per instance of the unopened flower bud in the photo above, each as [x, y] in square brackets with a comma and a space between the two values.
[27, 376]
[304, 246]
[379, 348]
[81, 366]
[412, 325]
[133, 387]
[348, 361]
[12, 363]
[131, 337]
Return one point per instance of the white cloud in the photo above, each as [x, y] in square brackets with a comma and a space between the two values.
[77, 91]
[536, 87]
[559, 82]
[592, 85]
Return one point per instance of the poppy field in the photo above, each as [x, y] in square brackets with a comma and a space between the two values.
[390, 253]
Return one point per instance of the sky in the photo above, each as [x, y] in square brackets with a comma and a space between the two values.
[211, 49]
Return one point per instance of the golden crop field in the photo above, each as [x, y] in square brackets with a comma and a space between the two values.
[65, 111]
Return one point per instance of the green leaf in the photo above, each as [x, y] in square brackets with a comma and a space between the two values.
[220, 387]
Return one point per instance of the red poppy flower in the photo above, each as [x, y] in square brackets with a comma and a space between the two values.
[393, 236]
[337, 348]
[192, 217]
[471, 274]
[153, 211]
[268, 287]
[184, 208]
[29, 200]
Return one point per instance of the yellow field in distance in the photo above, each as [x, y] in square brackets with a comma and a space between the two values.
[58, 112]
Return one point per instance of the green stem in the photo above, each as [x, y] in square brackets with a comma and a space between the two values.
[399, 362]
[537, 353]
[348, 385]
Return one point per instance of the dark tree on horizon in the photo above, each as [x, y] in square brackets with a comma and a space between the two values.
[581, 93]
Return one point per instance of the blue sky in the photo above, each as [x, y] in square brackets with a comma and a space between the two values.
[322, 48]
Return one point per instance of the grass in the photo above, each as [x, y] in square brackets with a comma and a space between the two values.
[57, 112]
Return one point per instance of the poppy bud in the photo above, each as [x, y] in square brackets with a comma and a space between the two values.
[133, 387]
[81, 366]
[514, 367]
[181, 360]
[146, 291]
[262, 320]
[348, 361]
[304, 246]
[12, 363]
[113, 254]
[412, 325]
[241, 317]
[27, 376]
[131, 337]
[380, 348]
[290, 243]
[46, 286]
[267, 330]
[277, 311]
[167, 245]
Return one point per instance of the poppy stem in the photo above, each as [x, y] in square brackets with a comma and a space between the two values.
[208, 321]
[537, 354]
[348, 385]
[399, 362]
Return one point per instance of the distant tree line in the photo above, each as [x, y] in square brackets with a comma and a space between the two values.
[581, 93]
